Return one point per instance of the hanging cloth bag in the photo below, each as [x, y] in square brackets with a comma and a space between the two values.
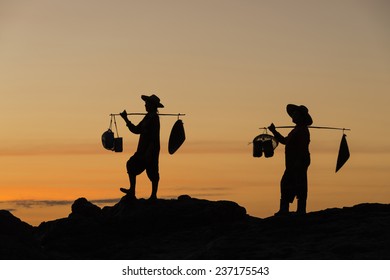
[343, 155]
[177, 137]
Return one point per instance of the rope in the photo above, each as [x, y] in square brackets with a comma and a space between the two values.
[110, 124]
[116, 127]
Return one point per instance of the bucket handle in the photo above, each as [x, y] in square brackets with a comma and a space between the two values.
[116, 127]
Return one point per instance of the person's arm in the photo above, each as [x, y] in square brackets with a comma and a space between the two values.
[133, 128]
[279, 137]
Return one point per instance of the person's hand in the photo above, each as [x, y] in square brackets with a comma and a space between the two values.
[272, 127]
[124, 115]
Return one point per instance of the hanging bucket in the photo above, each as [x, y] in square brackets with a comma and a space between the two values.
[264, 143]
[118, 144]
[108, 140]
[177, 137]
[257, 148]
[268, 148]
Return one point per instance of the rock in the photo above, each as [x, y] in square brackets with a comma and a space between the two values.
[190, 228]
[17, 240]
[11, 225]
[83, 208]
[182, 212]
[89, 230]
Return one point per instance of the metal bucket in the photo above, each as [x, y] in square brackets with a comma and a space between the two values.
[264, 143]
[257, 148]
[118, 145]
[268, 148]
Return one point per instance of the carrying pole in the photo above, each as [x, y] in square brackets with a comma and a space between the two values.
[310, 126]
[143, 114]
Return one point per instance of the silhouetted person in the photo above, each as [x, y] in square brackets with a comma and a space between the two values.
[297, 157]
[148, 150]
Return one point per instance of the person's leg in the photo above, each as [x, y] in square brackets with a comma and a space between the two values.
[283, 208]
[134, 167]
[301, 208]
[154, 177]
[284, 200]
[302, 192]
[153, 196]
[131, 191]
[132, 179]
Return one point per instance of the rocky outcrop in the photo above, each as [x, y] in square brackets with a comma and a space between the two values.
[190, 228]
[349, 233]
[17, 239]
[134, 229]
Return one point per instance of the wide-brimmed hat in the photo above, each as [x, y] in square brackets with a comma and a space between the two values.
[292, 108]
[153, 99]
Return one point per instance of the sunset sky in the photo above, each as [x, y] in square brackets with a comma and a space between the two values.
[230, 66]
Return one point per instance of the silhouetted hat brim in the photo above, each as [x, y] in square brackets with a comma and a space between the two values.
[153, 99]
[292, 108]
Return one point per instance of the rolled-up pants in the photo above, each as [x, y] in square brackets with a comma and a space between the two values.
[294, 184]
[138, 164]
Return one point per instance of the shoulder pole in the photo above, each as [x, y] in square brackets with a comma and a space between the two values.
[310, 126]
[143, 114]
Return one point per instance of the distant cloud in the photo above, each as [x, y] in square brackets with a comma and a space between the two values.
[50, 203]
[216, 147]
[194, 147]
[38, 149]
[105, 201]
[204, 192]
[40, 203]
[9, 209]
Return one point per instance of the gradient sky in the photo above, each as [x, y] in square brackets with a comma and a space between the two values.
[231, 66]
